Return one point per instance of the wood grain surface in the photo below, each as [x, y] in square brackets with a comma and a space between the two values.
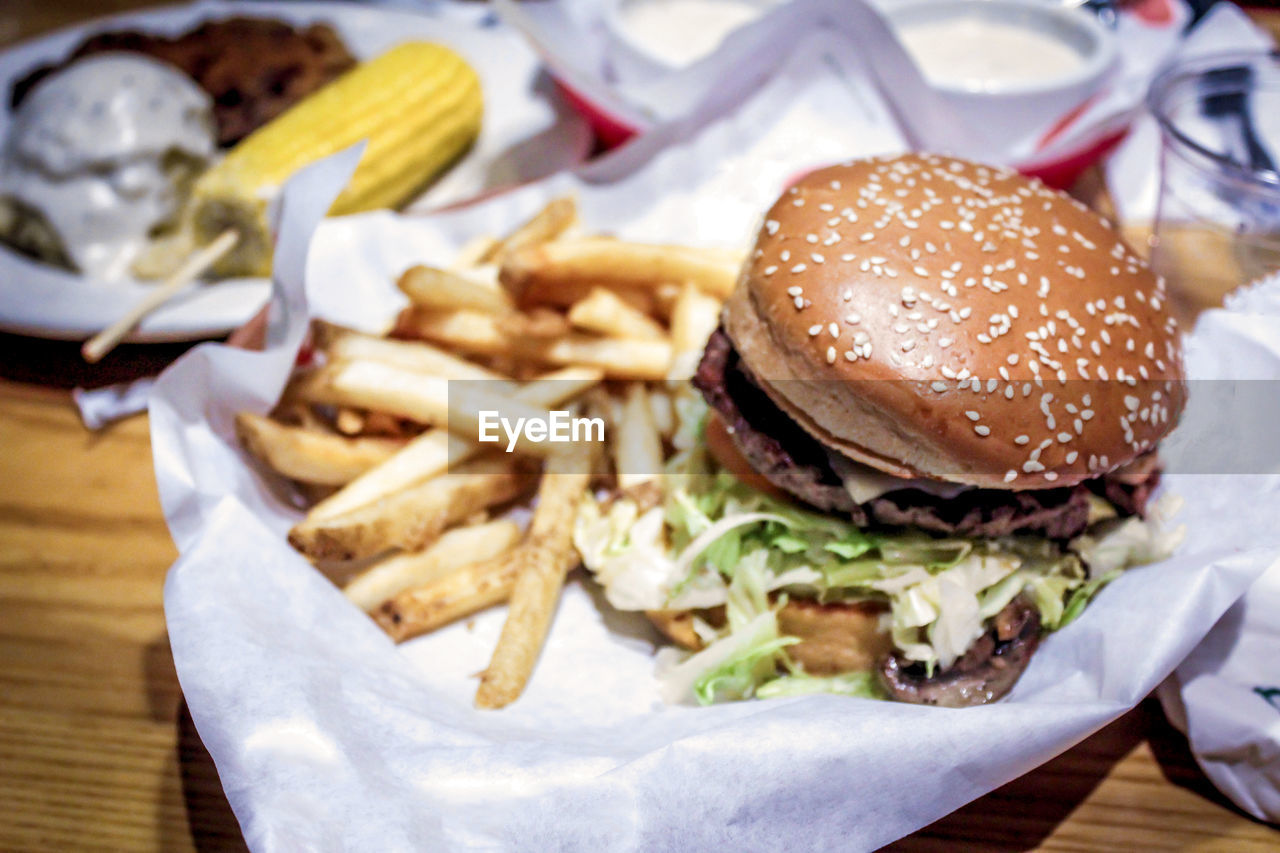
[97, 751]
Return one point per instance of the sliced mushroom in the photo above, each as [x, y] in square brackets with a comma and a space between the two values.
[983, 674]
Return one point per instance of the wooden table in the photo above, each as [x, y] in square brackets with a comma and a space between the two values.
[97, 750]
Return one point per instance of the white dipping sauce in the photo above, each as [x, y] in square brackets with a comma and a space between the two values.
[679, 32]
[976, 51]
[91, 151]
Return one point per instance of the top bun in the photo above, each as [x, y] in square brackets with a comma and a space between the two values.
[937, 318]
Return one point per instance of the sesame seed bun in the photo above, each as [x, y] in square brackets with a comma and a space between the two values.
[932, 317]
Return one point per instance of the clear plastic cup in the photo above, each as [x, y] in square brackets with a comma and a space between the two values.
[1218, 220]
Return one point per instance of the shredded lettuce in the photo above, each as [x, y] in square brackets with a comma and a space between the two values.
[1118, 544]
[861, 684]
[733, 666]
[716, 541]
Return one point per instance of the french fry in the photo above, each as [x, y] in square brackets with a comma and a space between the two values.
[534, 324]
[676, 625]
[637, 446]
[349, 421]
[545, 558]
[663, 411]
[437, 289]
[381, 387]
[475, 252]
[664, 298]
[456, 548]
[471, 332]
[308, 455]
[564, 271]
[480, 334]
[471, 403]
[428, 455]
[618, 358]
[412, 518]
[385, 425]
[431, 453]
[547, 224]
[439, 602]
[300, 414]
[348, 345]
[604, 312]
[694, 317]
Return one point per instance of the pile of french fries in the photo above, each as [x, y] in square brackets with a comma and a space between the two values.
[407, 505]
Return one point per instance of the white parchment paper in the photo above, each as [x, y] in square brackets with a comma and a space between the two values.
[1226, 695]
[327, 737]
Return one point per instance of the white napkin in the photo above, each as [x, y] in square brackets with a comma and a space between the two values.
[1226, 695]
[110, 403]
[327, 736]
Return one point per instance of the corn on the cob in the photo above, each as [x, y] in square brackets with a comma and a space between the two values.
[419, 105]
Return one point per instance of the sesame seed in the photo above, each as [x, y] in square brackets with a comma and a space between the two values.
[771, 225]
[795, 290]
[815, 329]
[834, 330]
[982, 430]
[972, 415]
[798, 268]
[831, 355]
[1010, 476]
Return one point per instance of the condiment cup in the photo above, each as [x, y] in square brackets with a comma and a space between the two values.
[1016, 108]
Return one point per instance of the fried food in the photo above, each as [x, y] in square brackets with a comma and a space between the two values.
[311, 456]
[462, 546]
[544, 559]
[253, 68]
[604, 312]
[563, 272]
[599, 309]
[413, 518]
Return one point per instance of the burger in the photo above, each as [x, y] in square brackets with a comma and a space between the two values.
[923, 436]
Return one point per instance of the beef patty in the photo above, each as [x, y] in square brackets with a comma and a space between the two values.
[796, 462]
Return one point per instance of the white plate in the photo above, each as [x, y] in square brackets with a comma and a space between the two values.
[527, 134]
